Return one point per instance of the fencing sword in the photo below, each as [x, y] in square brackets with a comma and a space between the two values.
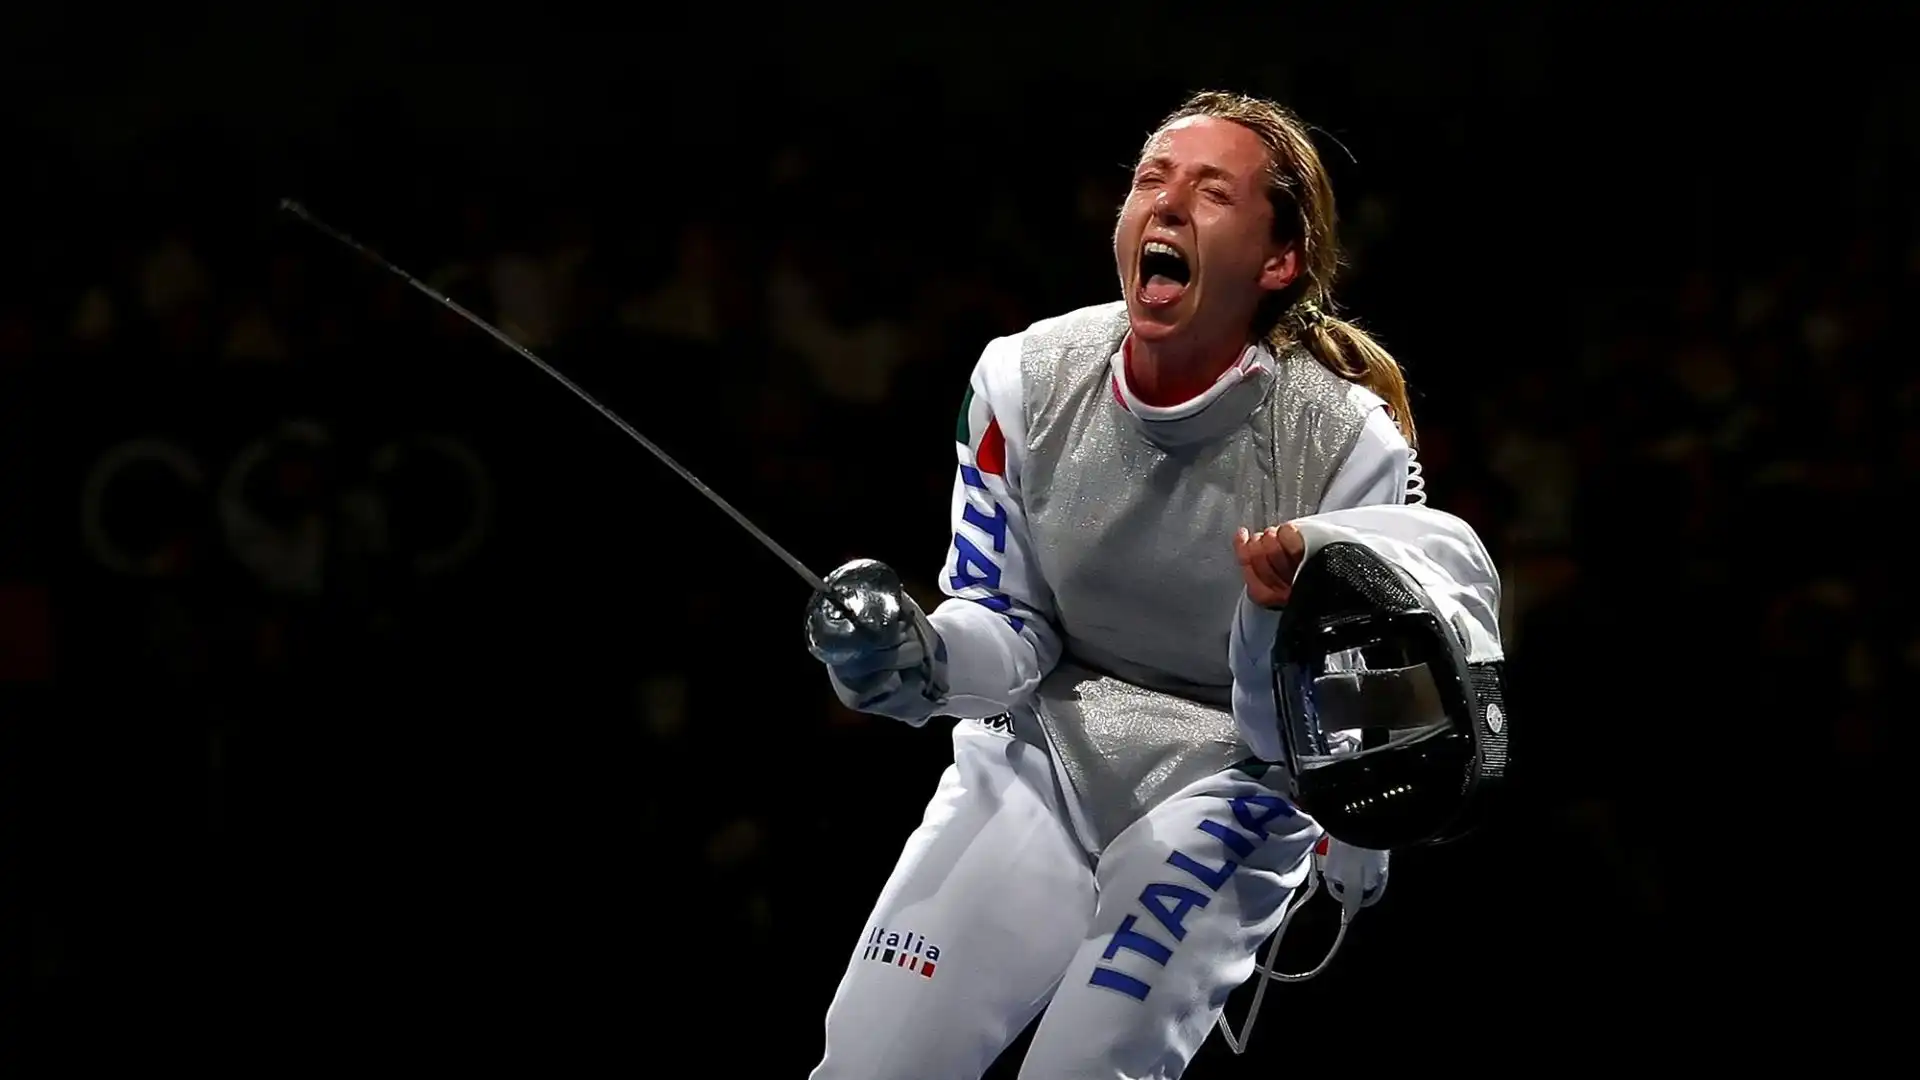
[666, 459]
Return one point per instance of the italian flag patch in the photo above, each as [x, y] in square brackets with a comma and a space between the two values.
[979, 432]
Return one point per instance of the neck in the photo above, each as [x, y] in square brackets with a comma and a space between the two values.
[1163, 374]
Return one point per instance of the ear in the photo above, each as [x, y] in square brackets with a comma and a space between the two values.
[1281, 267]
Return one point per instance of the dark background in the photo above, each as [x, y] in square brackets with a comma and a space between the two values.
[457, 732]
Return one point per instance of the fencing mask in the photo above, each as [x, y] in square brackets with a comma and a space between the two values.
[1391, 635]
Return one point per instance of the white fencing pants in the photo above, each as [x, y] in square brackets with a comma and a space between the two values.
[994, 912]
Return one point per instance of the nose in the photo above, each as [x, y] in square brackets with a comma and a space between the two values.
[1171, 205]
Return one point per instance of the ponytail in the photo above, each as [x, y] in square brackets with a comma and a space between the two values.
[1351, 353]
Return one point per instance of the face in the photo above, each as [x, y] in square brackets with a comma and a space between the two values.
[1194, 242]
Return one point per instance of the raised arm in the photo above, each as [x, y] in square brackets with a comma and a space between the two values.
[998, 619]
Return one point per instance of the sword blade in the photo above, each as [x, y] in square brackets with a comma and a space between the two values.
[665, 458]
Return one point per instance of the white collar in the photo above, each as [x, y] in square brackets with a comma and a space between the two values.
[1197, 418]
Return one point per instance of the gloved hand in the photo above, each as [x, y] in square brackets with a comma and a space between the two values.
[882, 654]
[1349, 871]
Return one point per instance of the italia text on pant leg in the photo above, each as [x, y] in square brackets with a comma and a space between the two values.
[983, 912]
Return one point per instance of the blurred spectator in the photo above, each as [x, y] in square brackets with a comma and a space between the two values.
[685, 304]
[819, 310]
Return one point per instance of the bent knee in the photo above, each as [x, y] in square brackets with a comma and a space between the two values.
[892, 1024]
[931, 1052]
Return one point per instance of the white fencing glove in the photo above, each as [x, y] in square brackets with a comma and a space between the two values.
[1353, 875]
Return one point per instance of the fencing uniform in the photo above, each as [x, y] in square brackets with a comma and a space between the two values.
[1104, 846]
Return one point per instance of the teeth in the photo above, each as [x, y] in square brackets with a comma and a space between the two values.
[1155, 247]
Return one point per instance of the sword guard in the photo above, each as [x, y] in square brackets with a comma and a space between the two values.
[863, 610]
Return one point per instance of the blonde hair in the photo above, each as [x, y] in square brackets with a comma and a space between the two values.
[1304, 215]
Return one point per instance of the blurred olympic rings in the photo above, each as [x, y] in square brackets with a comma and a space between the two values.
[289, 504]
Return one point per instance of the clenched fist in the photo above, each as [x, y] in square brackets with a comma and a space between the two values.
[1268, 561]
[882, 653]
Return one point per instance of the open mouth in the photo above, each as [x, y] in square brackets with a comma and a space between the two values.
[1164, 273]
